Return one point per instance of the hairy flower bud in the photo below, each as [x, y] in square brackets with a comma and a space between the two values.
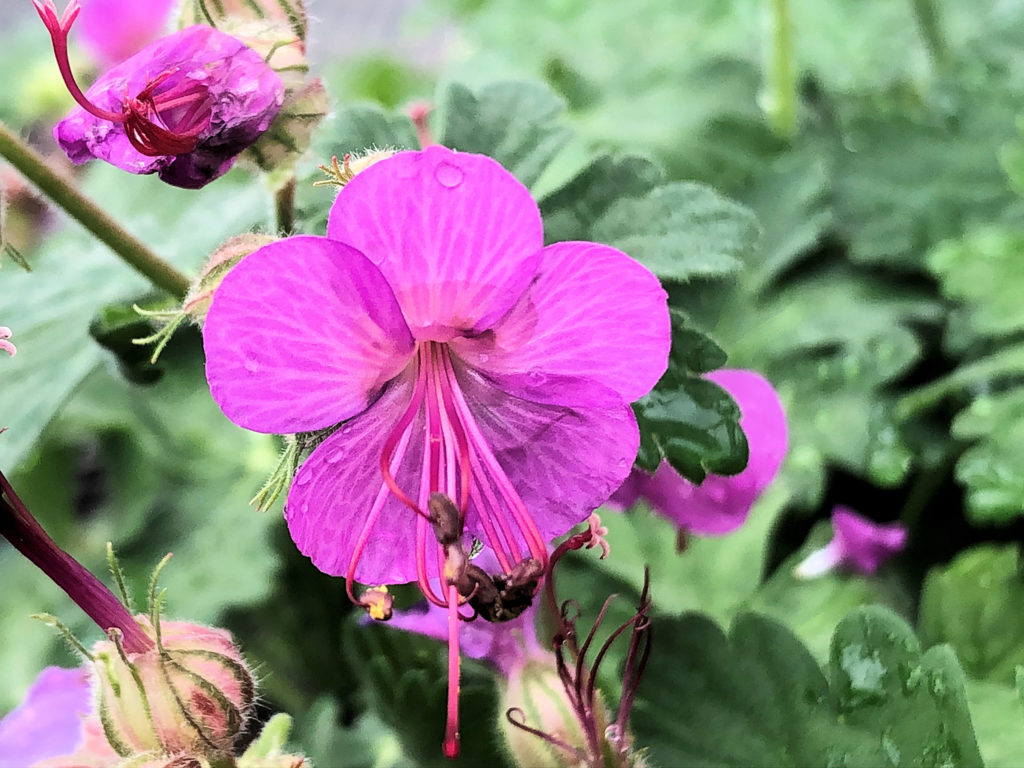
[190, 695]
[200, 294]
[535, 697]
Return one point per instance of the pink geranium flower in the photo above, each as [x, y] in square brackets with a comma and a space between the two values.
[458, 354]
[49, 722]
[720, 504]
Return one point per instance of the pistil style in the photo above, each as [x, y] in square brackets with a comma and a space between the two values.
[164, 118]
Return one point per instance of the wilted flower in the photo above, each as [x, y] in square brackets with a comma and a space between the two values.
[184, 107]
[113, 30]
[5, 345]
[50, 722]
[720, 504]
[456, 355]
[857, 543]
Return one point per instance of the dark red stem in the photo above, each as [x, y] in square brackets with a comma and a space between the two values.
[23, 531]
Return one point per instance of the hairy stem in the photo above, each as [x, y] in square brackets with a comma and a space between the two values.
[87, 213]
[284, 208]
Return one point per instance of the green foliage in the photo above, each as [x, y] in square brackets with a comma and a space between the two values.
[688, 421]
[998, 714]
[757, 697]
[73, 277]
[405, 679]
[974, 605]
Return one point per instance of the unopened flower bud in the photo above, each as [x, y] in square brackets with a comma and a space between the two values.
[340, 174]
[200, 294]
[538, 720]
[190, 696]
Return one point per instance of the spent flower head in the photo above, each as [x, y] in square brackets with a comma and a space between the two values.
[720, 504]
[446, 351]
[184, 107]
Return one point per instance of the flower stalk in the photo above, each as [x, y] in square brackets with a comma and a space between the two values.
[26, 535]
[62, 193]
[779, 99]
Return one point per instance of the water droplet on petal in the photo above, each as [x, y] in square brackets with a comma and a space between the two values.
[448, 175]
[335, 457]
[346, 429]
[536, 377]
[303, 478]
[252, 365]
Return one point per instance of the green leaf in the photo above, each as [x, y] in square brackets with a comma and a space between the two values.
[50, 308]
[757, 697]
[998, 715]
[680, 231]
[973, 604]
[812, 608]
[993, 468]
[982, 271]
[405, 677]
[691, 422]
[715, 575]
[515, 123]
[571, 211]
[694, 425]
[900, 173]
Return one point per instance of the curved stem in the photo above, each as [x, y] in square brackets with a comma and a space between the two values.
[927, 15]
[62, 193]
[780, 101]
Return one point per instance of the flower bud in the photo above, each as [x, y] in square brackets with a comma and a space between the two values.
[536, 698]
[200, 294]
[190, 695]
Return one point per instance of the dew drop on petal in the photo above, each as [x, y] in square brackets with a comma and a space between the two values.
[335, 457]
[303, 478]
[346, 429]
[536, 377]
[252, 365]
[448, 175]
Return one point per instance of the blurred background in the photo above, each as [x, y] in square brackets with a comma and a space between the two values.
[878, 142]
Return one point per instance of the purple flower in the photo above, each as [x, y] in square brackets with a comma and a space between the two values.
[113, 30]
[720, 504]
[456, 354]
[506, 646]
[857, 543]
[49, 722]
[184, 107]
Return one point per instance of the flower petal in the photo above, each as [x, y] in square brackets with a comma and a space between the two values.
[592, 312]
[334, 490]
[48, 723]
[113, 30]
[563, 461]
[300, 335]
[863, 543]
[456, 236]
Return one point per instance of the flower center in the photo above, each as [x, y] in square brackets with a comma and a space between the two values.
[164, 118]
[460, 467]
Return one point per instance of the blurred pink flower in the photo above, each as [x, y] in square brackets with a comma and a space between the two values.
[112, 30]
[857, 543]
